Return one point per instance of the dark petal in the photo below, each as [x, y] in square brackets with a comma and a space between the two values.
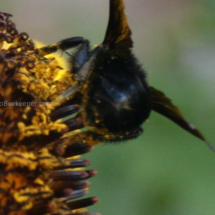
[82, 203]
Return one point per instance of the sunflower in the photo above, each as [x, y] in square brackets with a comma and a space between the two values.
[41, 170]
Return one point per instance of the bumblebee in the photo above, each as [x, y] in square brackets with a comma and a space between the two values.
[111, 87]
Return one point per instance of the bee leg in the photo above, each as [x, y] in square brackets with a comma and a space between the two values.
[62, 45]
[80, 65]
[94, 135]
[81, 73]
[82, 62]
[93, 138]
[80, 57]
[71, 42]
[110, 137]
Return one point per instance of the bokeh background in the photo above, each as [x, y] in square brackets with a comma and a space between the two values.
[165, 171]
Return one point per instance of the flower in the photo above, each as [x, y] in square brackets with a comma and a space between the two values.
[41, 171]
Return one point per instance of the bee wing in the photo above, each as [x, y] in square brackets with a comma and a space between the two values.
[164, 106]
[118, 33]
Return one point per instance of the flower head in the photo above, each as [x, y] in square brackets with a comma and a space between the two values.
[40, 170]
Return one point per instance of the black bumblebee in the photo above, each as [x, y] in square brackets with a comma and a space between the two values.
[111, 87]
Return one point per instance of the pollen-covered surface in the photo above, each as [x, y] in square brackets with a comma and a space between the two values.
[32, 149]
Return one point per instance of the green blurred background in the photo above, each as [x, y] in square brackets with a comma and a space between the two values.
[165, 171]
